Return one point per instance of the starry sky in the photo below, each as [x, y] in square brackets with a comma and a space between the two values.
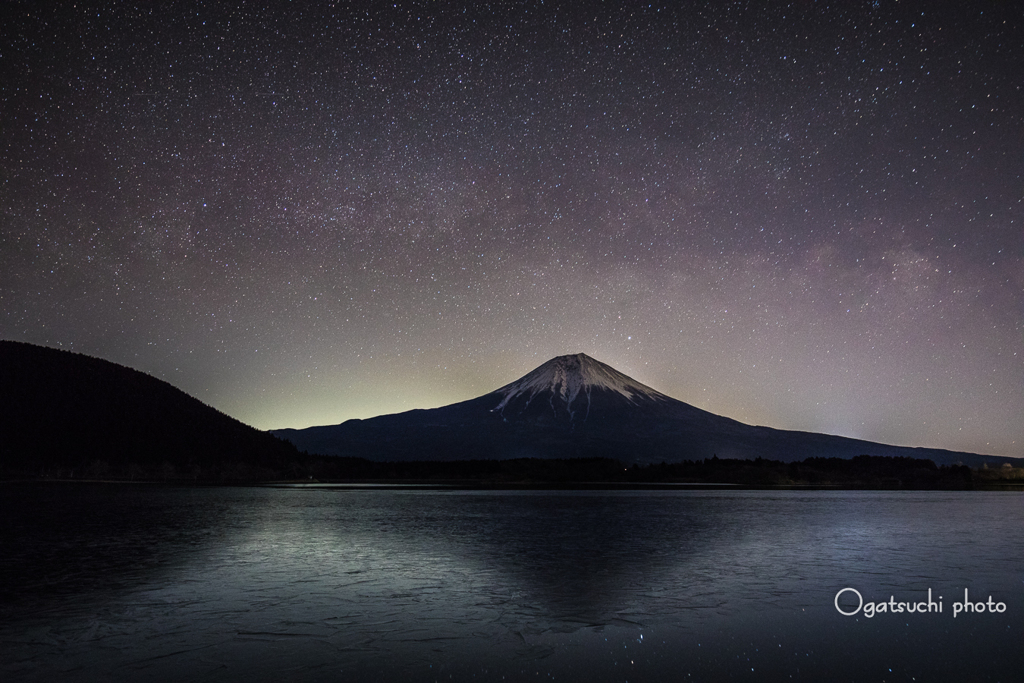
[808, 215]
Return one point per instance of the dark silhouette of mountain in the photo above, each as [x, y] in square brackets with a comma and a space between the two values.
[66, 415]
[574, 406]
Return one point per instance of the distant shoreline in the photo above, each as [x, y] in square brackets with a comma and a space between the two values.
[860, 473]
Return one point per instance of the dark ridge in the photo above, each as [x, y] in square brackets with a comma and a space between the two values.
[67, 415]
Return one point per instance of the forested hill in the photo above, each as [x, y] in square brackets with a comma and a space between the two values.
[68, 415]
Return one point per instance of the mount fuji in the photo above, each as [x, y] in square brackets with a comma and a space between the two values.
[575, 406]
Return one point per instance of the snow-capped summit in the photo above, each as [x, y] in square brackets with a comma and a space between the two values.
[568, 383]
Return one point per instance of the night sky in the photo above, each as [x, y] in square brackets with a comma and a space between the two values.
[806, 215]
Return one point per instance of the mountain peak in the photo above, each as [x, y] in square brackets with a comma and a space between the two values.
[574, 406]
[565, 378]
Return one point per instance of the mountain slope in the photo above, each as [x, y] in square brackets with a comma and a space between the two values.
[575, 406]
[66, 414]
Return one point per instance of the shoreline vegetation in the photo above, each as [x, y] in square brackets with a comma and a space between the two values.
[861, 472]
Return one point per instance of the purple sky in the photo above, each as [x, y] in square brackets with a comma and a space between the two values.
[806, 215]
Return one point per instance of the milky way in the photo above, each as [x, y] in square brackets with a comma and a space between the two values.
[807, 215]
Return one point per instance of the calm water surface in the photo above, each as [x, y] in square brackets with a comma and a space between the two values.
[310, 584]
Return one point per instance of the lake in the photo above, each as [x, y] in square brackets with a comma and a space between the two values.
[153, 583]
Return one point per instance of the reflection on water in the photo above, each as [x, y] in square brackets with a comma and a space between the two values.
[155, 583]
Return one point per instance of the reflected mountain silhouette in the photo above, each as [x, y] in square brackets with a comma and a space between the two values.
[63, 539]
[582, 556]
